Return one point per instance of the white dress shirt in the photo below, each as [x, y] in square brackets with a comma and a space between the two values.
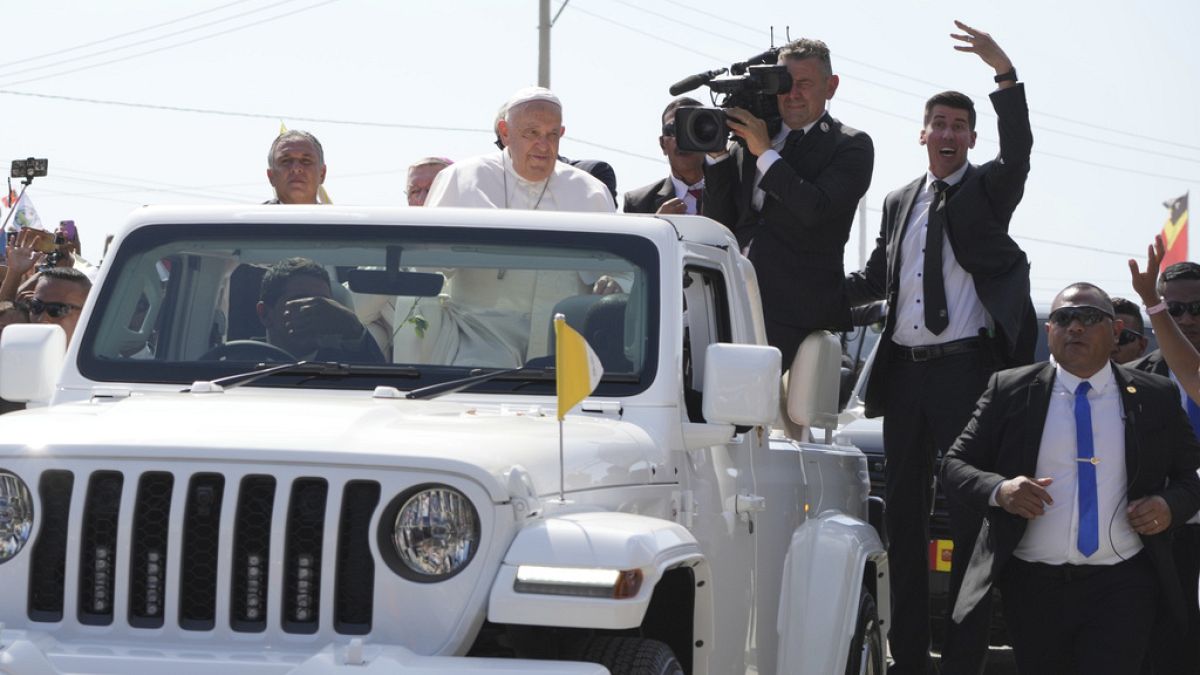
[967, 314]
[1051, 538]
[681, 193]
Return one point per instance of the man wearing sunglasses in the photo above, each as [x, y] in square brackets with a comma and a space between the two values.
[1131, 343]
[1083, 468]
[1179, 288]
[683, 190]
[58, 297]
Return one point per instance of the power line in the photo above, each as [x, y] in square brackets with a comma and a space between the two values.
[142, 42]
[120, 35]
[174, 46]
[894, 73]
[1123, 254]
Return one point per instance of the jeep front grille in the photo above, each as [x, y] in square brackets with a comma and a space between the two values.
[202, 549]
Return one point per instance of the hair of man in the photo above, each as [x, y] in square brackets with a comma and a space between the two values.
[951, 99]
[1129, 308]
[807, 48]
[275, 280]
[428, 161]
[681, 102]
[1180, 271]
[295, 135]
[1083, 287]
[66, 274]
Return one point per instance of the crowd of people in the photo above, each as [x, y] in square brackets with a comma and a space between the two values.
[1069, 482]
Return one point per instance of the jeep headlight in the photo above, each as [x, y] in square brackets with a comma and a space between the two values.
[16, 515]
[434, 532]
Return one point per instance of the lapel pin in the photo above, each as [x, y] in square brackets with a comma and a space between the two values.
[825, 127]
[1131, 389]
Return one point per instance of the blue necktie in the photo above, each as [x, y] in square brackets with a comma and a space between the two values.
[1085, 454]
[1193, 411]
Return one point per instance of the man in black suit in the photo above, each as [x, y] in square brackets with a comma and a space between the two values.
[682, 191]
[789, 194]
[957, 288]
[1179, 287]
[1083, 468]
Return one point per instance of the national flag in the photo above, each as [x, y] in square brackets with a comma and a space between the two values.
[1174, 232]
[322, 195]
[26, 215]
[577, 368]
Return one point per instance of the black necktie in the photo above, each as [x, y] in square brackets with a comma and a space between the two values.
[936, 316]
[793, 140]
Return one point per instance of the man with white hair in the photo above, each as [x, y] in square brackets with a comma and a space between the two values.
[526, 174]
[420, 178]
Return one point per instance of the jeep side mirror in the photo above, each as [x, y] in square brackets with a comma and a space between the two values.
[741, 384]
[31, 359]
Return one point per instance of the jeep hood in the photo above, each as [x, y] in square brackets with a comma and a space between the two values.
[477, 441]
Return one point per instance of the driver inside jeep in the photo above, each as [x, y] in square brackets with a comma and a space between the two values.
[297, 308]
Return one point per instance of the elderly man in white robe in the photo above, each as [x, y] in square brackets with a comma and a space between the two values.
[489, 317]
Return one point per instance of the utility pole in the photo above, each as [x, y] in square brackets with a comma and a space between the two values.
[544, 26]
[545, 23]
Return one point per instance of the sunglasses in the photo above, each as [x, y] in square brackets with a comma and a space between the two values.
[668, 129]
[1176, 308]
[1085, 315]
[1128, 336]
[56, 310]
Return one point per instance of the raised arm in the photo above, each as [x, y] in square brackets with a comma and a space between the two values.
[1182, 358]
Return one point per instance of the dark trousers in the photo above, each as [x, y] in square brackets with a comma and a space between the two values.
[1079, 620]
[1174, 650]
[786, 338]
[927, 406]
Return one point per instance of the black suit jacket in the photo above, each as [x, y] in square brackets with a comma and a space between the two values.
[1002, 441]
[800, 234]
[978, 213]
[1152, 363]
[647, 199]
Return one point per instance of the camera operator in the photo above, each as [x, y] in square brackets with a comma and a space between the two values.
[790, 198]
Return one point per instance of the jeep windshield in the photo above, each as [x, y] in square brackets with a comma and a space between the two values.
[403, 306]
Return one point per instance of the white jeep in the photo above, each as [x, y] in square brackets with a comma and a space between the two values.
[185, 496]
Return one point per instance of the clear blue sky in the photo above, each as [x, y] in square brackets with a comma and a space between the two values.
[382, 83]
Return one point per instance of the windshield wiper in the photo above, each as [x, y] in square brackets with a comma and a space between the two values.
[316, 369]
[452, 386]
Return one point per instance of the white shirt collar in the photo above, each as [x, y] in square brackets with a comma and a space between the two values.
[784, 130]
[1100, 380]
[953, 179]
[682, 187]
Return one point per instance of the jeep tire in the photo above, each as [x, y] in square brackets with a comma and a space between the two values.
[632, 656]
[866, 648]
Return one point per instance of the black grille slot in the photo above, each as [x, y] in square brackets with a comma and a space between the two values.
[251, 554]
[198, 564]
[48, 566]
[98, 557]
[302, 556]
[354, 587]
[148, 558]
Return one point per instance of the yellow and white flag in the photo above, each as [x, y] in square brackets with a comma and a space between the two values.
[577, 368]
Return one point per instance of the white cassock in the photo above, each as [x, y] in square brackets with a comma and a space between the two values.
[489, 181]
[489, 317]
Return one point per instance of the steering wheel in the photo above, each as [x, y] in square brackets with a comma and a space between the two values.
[247, 350]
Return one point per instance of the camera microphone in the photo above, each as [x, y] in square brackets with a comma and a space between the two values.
[768, 57]
[692, 81]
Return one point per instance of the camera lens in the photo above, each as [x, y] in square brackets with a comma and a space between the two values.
[708, 129]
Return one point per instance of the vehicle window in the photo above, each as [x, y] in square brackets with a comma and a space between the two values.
[200, 302]
[706, 320]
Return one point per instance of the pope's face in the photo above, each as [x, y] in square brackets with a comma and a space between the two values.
[296, 172]
[532, 138]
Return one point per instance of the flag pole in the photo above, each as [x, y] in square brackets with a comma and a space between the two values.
[562, 493]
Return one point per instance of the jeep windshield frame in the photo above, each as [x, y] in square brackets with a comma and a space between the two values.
[181, 303]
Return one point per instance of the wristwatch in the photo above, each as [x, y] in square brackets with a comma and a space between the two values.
[1010, 75]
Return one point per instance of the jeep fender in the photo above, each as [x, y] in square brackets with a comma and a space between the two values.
[610, 541]
[822, 580]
